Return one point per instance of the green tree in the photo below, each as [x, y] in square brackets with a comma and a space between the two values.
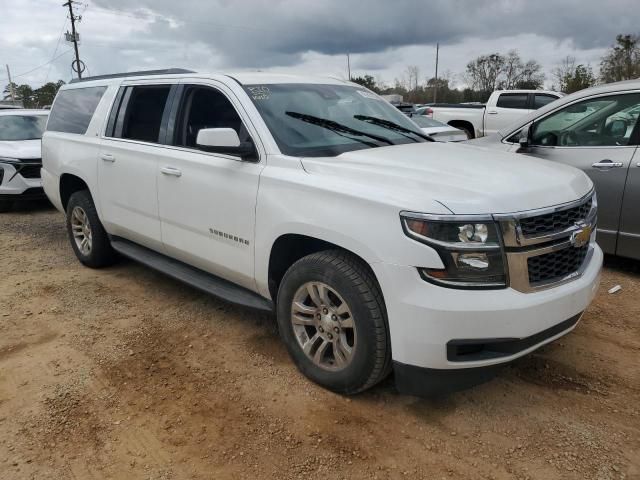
[44, 95]
[622, 61]
[571, 77]
[483, 73]
[366, 81]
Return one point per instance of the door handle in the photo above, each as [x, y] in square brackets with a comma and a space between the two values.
[171, 171]
[107, 157]
[492, 112]
[607, 164]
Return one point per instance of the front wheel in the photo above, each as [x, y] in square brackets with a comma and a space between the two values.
[332, 318]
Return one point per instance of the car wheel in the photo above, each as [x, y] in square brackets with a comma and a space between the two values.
[88, 237]
[332, 318]
[5, 206]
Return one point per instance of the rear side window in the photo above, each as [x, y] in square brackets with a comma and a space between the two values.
[138, 112]
[540, 100]
[513, 100]
[72, 110]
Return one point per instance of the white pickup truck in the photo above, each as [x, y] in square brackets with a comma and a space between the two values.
[502, 109]
[376, 248]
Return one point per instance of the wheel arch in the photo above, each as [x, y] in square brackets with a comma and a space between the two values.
[70, 184]
[290, 247]
[464, 125]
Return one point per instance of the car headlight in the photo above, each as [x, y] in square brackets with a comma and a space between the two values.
[469, 246]
[9, 160]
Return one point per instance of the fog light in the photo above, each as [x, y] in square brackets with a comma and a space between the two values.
[476, 261]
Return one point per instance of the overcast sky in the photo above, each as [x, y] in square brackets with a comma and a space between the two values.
[310, 36]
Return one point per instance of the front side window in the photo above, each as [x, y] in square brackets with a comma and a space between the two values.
[22, 127]
[513, 100]
[602, 121]
[205, 107]
[313, 120]
[73, 109]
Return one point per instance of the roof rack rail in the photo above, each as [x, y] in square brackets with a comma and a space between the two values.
[165, 71]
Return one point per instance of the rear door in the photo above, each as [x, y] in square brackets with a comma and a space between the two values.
[594, 135]
[128, 162]
[509, 107]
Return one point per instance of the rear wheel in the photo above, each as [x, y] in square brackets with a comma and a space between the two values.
[5, 206]
[88, 237]
[332, 318]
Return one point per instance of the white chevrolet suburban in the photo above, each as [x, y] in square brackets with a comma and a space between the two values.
[377, 248]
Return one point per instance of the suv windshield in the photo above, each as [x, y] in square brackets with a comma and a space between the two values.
[313, 120]
[22, 127]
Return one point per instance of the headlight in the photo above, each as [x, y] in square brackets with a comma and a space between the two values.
[469, 246]
[9, 160]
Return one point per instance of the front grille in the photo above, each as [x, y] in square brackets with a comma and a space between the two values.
[556, 265]
[554, 222]
[30, 171]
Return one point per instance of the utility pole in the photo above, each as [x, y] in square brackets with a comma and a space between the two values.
[435, 86]
[11, 92]
[349, 66]
[74, 38]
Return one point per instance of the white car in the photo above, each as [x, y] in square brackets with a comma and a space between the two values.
[502, 108]
[20, 159]
[440, 132]
[314, 198]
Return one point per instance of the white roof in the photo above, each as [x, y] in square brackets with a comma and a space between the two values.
[23, 111]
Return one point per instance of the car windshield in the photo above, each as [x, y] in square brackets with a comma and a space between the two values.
[426, 122]
[22, 127]
[313, 120]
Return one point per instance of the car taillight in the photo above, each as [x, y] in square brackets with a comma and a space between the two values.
[428, 112]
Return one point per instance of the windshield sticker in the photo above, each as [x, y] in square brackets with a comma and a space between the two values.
[260, 92]
[370, 95]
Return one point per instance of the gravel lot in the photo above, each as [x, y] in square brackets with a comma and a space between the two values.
[124, 373]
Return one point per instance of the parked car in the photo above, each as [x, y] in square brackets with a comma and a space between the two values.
[377, 248]
[20, 159]
[502, 108]
[440, 132]
[598, 131]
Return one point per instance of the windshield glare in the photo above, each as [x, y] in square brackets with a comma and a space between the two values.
[337, 103]
[22, 127]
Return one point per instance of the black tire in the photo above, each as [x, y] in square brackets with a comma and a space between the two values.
[355, 283]
[101, 254]
[5, 205]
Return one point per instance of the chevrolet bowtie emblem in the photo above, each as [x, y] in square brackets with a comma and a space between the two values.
[581, 237]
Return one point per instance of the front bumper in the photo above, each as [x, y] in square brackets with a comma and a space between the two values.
[424, 319]
[15, 186]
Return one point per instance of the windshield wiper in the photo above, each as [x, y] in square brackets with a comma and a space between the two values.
[338, 127]
[392, 126]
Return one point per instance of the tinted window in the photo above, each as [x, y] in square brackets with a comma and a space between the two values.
[513, 100]
[21, 127]
[602, 121]
[142, 117]
[540, 100]
[204, 107]
[72, 109]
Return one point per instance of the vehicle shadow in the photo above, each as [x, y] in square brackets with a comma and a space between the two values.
[31, 206]
[622, 265]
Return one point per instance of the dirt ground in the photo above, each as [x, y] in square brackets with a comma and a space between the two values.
[123, 373]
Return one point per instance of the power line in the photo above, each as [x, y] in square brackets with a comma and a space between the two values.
[39, 66]
[64, 24]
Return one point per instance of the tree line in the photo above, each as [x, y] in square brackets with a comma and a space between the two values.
[33, 98]
[497, 71]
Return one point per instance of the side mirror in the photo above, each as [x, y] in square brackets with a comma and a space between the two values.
[225, 140]
[525, 135]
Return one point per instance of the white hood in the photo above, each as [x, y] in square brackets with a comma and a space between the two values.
[23, 149]
[464, 178]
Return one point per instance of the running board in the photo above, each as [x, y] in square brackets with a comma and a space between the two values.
[195, 277]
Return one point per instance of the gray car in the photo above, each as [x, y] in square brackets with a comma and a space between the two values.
[598, 131]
